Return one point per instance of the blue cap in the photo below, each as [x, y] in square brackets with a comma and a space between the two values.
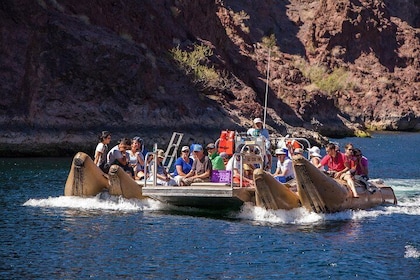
[197, 148]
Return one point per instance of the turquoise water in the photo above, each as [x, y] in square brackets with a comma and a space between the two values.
[45, 235]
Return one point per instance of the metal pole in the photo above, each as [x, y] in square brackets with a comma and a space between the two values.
[266, 86]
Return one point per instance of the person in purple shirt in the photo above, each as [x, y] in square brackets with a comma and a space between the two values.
[361, 163]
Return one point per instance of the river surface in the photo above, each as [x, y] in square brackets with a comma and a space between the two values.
[45, 235]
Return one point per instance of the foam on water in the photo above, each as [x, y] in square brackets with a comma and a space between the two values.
[99, 202]
[411, 252]
[407, 192]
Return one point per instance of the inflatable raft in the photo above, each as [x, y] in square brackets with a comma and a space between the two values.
[321, 193]
[86, 179]
[271, 194]
[317, 191]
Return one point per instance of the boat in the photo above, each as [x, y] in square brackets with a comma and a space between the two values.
[320, 193]
[311, 188]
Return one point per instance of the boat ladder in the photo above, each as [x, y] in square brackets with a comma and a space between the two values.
[172, 150]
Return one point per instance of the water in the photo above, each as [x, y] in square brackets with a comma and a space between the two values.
[45, 235]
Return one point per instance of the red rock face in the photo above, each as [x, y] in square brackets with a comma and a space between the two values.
[71, 69]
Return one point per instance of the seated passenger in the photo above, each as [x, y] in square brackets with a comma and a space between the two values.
[315, 156]
[361, 164]
[234, 165]
[118, 155]
[337, 166]
[136, 159]
[101, 151]
[225, 157]
[162, 176]
[201, 168]
[216, 160]
[183, 165]
[284, 170]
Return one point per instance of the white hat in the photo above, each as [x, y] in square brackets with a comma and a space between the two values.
[314, 151]
[161, 153]
[280, 152]
[257, 120]
[185, 148]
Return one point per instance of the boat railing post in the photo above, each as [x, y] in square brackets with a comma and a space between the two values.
[241, 169]
[155, 159]
[148, 154]
[154, 167]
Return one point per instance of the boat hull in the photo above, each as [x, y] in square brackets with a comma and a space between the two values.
[271, 194]
[86, 179]
[321, 193]
[202, 195]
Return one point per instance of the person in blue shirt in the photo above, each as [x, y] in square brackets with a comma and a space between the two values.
[183, 165]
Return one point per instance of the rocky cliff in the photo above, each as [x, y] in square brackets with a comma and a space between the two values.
[70, 69]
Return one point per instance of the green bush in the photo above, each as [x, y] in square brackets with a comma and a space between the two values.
[194, 63]
[337, 80]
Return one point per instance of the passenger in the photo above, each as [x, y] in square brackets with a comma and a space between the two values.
[143, 151]
[183, 165]
[118, 155]
[361, 163]
[315, 156]
[260, 130]
[349, 157]
[284, 170]
[142, 148]
[162, 176]
[102, 150]
[216, 160]
[192, 155]
[234, 165]
[336, 162]
[201, 168]
[225, 158]
[136, 158]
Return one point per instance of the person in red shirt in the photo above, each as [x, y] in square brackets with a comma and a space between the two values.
[336, 163]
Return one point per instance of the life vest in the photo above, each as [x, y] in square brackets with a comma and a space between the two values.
[226, 142]
[294, 144]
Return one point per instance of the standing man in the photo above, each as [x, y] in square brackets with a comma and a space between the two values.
[260, 130]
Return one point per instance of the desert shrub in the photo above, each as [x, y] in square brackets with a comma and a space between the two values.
[335, 81]
[329, 82]
[195, 63]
